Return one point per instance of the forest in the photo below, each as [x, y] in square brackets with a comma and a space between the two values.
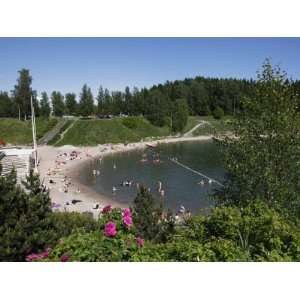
[162, 104]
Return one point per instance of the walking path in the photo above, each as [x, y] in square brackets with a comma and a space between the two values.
[201, 123]
[65, 131]
[53, 132]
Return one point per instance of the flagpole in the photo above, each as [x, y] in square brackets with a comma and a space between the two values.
[34, 136]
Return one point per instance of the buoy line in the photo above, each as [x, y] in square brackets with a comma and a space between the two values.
[196, 172]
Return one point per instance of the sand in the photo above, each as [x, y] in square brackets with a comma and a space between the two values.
[61, 166]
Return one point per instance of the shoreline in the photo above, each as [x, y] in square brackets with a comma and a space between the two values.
[50, 155]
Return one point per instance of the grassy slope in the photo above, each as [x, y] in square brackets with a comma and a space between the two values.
[18, 132]
[93, 132]
[216, 126]
[192, 122]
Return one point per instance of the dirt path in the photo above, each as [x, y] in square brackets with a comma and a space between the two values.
[201, 123]
[64, 132]
[52, 133]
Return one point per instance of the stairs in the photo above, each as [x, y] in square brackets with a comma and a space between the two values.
[53, 132]
[21, 165]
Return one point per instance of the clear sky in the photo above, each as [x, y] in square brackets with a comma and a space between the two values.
[65, 64]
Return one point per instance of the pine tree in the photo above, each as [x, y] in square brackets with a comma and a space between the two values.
[25, 223]
[44, 105]
[58, 104]
[148, 217]
[100, 100]
[86, 103]
[71, 104]
[23, 92]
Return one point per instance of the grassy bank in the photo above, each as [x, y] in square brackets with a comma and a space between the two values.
[17, 132]
[213, 126]
[118, 130]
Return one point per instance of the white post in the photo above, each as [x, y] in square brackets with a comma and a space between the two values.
[34, 136]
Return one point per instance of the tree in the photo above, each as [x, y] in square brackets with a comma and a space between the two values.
[23, 92]
[148, 217]
[44, 105]
[71, 104]
[218, 113]
[129, 103]
[262, 162]
[25, 224]
[86, 103]
[100, 100]
[157, 108]
[58, 104]
[180, 115]
[7, 106]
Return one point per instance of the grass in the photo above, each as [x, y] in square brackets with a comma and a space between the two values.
[58, 135]
[214, 127]
[192, 122]
[93, 132]
[17, 132]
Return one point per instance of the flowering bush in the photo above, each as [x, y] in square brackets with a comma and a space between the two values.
[110, 229]
[106, 209]
[114, 240]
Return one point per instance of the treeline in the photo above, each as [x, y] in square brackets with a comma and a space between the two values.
[163, 104]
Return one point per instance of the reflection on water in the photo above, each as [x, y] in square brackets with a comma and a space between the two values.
[181, 186]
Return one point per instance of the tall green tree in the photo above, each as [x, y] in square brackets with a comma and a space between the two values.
[180, 113]
[148, 217]
[263, 161]
[58, 104]
[23, 92]
[25, 223]
[100, 100]
[7, 106]
[157, 108]
[86, 103]
[45, 105]
[71, 104]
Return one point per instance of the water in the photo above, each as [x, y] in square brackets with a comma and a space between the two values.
[180, 185]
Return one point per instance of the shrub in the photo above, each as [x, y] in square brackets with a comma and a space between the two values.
[150, 221]
[25, 223]
[66, 222]
[114, 240]
[218, 113]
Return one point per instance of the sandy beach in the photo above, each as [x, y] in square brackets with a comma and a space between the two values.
[61, 166]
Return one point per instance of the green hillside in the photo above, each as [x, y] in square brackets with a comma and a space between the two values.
[118, 130]
[17, 132]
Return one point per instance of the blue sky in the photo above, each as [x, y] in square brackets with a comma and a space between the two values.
[65, 64]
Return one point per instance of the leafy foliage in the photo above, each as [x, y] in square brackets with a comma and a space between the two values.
[218, 113]
[150, 221]
[263, 161]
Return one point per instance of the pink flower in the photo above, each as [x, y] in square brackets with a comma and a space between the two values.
[127, 220]
[110, 229]
[35, 256]
[140, 241]
[106, 209]
[32, 256]
[64, 258]
[126, 212]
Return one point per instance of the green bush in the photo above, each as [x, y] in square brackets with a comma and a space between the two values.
[25, 223]
[218, 113]
[96, 245]
[67, 222]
